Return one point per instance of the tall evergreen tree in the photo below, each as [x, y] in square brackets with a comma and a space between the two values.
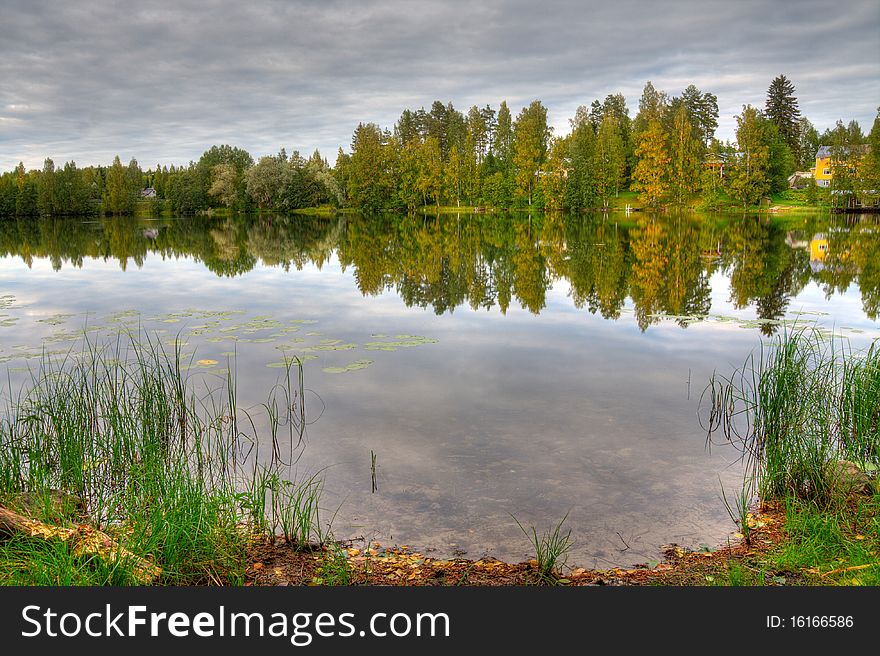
[503, 141]
[782, 110]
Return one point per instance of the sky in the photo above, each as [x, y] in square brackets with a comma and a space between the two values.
[163, 81]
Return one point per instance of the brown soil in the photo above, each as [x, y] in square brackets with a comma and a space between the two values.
[280, 563]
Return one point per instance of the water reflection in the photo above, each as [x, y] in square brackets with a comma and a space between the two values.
[662, 263]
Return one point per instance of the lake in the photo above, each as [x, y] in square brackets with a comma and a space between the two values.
[501, 368]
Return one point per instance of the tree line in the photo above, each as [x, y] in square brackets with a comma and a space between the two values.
[667, 153]
[663, 263]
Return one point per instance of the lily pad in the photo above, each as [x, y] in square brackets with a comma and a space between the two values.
[354, 366]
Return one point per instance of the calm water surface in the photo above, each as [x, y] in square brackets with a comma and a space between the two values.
[517, 367]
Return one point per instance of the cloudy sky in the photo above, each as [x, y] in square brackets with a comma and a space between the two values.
[164, 81]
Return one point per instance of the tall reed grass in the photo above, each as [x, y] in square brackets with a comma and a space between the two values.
[795, 408]
[165, 462]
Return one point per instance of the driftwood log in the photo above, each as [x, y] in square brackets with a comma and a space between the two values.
[84, 541]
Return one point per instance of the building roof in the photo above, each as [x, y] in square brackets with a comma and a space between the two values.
[825, 151]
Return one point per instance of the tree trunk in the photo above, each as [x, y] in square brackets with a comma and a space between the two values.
[84, 541]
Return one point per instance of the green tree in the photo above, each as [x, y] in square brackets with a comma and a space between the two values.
[557, 168]
[370, 172]
[871, 163]
[72, 195]
[702, 109]
[223, 185]
[581, 190]
[430, 163]
[531, 137]
[610, 158]
[808, 144]
[652, 107]
[684, 153]
[120, 189]
[782, 110]
[503, 141]
[266, 180]
[239, 159]
[749, 178]
[47, 202]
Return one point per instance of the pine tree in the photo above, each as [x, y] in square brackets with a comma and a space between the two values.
[782, 110]
[503, 135]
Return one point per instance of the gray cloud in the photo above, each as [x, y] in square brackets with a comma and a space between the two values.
[163, 82]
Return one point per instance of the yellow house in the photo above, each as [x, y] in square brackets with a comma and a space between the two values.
[822, 171]
[818, 248]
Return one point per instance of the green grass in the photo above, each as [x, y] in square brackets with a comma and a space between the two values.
[168, 466]
[551, 549]
[837, 547]
[796, 409]
[800, 405]
[334, 568]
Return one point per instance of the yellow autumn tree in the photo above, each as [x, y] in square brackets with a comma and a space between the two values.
[650, 175]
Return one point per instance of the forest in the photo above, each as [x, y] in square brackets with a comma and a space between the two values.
[488, 157]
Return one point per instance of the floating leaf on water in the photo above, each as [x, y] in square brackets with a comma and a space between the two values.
[206, 363]
[333, 347]
[313, 333]
[170, 320]
[263, 340]
[354, 366]
[228, 354]
[56, 319]
[290, 341]
[215, 339]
